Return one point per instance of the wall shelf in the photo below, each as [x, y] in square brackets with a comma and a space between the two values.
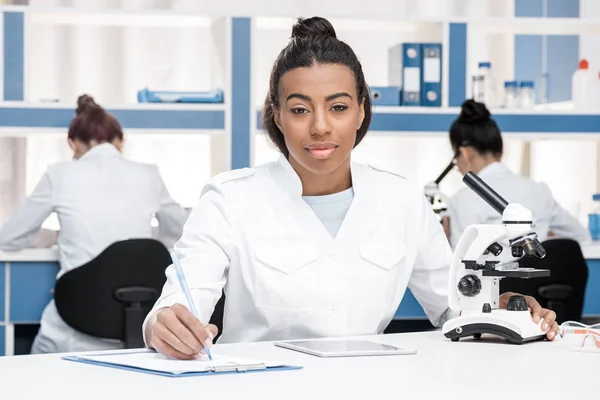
[147, 117]
[530, 123]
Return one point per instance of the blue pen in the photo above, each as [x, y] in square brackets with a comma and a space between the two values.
[188, 295]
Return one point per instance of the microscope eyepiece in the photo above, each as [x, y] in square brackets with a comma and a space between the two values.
[488, 194]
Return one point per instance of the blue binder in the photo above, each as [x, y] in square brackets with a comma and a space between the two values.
[431, 84]
[107, 360]
[411, 74]
[153, 96]
[385, 95]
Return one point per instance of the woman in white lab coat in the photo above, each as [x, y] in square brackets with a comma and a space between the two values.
[100, 198]
[312, 245]
[476, 139]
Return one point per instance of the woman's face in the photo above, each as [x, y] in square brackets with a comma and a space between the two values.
[319, 113]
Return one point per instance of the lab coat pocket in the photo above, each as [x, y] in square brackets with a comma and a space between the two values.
[286, 275]
[381, 268]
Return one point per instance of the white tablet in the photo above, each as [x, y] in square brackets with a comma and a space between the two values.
[343, 348]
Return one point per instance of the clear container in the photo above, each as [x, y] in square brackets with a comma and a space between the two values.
[478, 89]
[594, 219]
[527, 94]
[511, 94]
[489, 95]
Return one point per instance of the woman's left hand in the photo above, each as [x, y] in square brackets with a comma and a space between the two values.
[537, 312]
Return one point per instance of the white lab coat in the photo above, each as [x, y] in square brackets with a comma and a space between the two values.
[285, 277]
[99, 199]
[466, 208]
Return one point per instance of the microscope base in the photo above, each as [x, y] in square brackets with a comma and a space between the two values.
[514, 326]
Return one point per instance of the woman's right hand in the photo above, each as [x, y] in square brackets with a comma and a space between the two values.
[175, 332]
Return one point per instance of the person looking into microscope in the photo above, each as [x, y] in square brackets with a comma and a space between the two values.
[477, 143]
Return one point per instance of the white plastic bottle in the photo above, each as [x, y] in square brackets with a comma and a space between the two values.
[583, 86]
[489, 83]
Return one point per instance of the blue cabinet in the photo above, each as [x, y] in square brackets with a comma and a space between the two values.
[409, 307]
[591, 304]
[2, 290]
[31, 285]
[2, 340]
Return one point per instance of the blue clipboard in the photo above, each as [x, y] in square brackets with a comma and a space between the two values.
[156, 96]
[221, 370]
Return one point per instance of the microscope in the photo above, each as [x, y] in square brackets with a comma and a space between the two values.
[475, 273]
[433, 193]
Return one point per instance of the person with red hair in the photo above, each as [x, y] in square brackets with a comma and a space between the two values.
[100, 198]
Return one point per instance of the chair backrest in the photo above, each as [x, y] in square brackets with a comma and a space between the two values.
[85, 297]
[217, 316]
[563, 291]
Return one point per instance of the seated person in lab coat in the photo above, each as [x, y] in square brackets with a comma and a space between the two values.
[311, 245]
[477, 138]
[100, 198]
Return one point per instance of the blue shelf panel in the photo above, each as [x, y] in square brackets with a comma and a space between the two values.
[14, 56]
[31, 117]
[522, 123]
[2, 340]
[591, 302]
[2, 290]
[440, 122]
[31, 284]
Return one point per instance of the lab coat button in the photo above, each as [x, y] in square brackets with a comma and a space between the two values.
[333, 255]
[336, 310]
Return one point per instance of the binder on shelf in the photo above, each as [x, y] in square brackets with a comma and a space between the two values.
[411, 74]
[431, 84]
[154, 96]
[385, 95]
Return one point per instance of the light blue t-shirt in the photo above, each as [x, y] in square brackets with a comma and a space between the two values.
[331, 209]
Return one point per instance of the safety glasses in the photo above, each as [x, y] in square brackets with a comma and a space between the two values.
[576, 335]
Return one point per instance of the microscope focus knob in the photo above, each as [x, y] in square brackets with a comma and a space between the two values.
[516, 302]
[469, 285]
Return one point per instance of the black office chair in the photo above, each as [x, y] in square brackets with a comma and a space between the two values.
[110, 296]
[217, 316]
[563, 291]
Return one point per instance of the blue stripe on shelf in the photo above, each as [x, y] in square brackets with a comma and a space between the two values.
[240, 86]
[2, 340]
[139, 119]
[457, 84]
[527, 123]
[13, 56]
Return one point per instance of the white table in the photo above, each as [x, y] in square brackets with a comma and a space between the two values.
[441, 369]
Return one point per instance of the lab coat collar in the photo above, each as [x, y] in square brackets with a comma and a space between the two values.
[294, 184]
[101, 150]
[495, 168]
